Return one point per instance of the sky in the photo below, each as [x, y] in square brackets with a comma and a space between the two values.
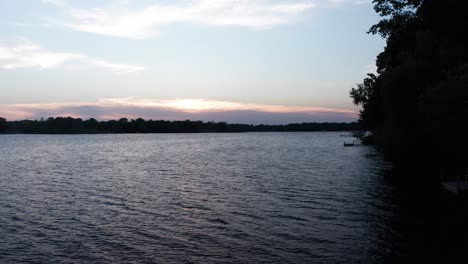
[241, 61]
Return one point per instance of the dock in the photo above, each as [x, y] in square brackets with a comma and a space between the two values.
[455, 187]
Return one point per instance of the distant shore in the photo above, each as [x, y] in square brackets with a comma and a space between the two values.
[69, 125]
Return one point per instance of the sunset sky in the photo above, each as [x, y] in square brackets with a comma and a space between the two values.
[267, 61]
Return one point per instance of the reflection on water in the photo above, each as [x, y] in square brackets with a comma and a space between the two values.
[197, 198]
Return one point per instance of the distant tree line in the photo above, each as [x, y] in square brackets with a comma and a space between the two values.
[417, 102]
[69, 125]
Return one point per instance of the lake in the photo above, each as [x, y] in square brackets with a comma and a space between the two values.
[196, 198]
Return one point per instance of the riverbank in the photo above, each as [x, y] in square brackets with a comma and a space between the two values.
[434, 229]
[69, 125]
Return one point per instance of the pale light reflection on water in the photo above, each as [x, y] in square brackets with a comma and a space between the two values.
[193, 198]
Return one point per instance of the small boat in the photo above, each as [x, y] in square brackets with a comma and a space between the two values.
[456, 186]
[348, 144]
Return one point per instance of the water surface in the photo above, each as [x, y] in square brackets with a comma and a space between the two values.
[194, 198]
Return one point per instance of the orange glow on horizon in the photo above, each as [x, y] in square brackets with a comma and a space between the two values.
[110, 108]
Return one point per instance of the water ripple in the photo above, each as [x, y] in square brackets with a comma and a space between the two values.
[191, 198]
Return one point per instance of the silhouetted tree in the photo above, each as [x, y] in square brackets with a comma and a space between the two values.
[3, 124]
[67, 125]
[90, 124]
[417, 102]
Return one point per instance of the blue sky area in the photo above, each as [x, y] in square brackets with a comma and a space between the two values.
[265, 61]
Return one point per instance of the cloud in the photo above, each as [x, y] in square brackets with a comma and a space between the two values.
[370, 68]
[26, 54]
[181, 109]
[201, 105]
[126, 19]
[339, 3]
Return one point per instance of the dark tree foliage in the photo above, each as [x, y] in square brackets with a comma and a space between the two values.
[3, 124]
[69, 125]
[417, 103]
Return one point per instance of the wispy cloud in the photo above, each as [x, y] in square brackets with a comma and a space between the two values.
[201, 105]
[181, 109]
[370, 68]
[353, 2]
[125, 19]
[25, 54]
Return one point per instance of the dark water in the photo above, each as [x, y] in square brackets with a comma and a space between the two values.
[195, 198]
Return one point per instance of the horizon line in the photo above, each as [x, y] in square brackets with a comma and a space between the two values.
[129, 120]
